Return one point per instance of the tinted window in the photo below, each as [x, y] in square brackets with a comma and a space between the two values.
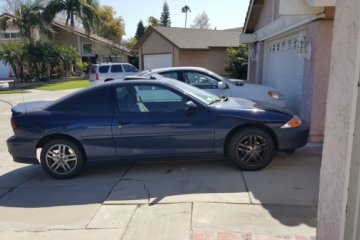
[104, 69]
[129, 68]
[116, 68]
[96, 100]
[148, 98]
[200, 80]
[173, 75]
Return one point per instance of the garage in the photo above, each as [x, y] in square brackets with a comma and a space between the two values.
[5, 71]
[284, 68]
[152, 61]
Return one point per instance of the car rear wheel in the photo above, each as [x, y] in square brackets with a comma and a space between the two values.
[251, 149]
[62, 159]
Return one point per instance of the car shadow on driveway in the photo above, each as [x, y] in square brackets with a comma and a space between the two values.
[287, 188]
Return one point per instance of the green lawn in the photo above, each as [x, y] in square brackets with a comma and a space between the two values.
[52, 86]
[62, 85]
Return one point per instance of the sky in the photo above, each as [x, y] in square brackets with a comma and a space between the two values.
[223, 14]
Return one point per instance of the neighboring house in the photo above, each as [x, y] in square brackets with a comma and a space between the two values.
[92, 48]
[174, 47]
[290, 46]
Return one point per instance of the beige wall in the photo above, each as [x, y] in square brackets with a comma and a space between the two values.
[156, 44]
[267, 14]
[316, 76]
[214, 59]
[340, 154]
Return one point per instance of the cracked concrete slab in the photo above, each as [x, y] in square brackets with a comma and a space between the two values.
[254, 219]
[160, 222]
[44, 208]
[204, 181]
[289, 180]
[14, 176]
[98, 234]
[113, 216]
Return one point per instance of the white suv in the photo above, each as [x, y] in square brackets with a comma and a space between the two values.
[100, 73]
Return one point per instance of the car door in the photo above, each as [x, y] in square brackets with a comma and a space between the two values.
[151, 121]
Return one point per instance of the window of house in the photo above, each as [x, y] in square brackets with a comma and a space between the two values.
[87, 48]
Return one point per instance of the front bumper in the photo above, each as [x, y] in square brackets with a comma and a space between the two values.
[23, 150]
[293, 138]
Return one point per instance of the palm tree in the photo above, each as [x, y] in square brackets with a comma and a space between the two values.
[29, 20]
[84, 10]
[185, 9]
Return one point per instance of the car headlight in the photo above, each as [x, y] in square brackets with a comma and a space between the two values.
[294, 122]
[276, 95]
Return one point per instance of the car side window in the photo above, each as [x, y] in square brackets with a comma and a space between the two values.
[148, 98]
[173, 75]
[200, 80]
[96, 101]
[129, 68]
[116, 68]
[104, 69]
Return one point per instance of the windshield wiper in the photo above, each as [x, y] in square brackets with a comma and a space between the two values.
[225, 98]
[215, 101]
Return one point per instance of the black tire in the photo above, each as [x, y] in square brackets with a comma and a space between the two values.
[251, 149]
[62, 158]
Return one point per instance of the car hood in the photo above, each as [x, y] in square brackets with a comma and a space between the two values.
[244, 104]
[29, 106]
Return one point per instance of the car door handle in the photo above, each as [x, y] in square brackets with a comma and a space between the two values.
[121, 124]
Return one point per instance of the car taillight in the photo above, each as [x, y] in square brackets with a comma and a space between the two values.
[97, 76]
[13, 125]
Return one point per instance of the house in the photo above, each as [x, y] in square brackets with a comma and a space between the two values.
[172, 47]
[91, 48]
[290, 46]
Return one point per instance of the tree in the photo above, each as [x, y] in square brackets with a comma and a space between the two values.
[29, 19]
[110, 27]
[185, 9]
[238, 61]
[140, 30]
[165, 16]
[84, 10]
[13, 53]
[153, 21]
[201, 21]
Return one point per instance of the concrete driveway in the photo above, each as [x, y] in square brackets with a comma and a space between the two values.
[163, 200]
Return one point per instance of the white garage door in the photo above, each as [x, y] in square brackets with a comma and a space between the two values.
[5, 70]
[157, 61]
[284, 68]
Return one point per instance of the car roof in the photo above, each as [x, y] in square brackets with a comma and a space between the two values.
[177, 68]
[113, 63]
[141, 79]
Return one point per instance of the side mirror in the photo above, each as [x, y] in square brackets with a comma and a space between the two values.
[222, 85]
[190, 106]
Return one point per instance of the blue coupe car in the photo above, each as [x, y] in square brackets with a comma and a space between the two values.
[146, 119]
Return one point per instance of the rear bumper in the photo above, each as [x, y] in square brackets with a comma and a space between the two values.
[23, 150]
[293, 138]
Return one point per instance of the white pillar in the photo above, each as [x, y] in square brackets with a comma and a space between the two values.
[340, 126]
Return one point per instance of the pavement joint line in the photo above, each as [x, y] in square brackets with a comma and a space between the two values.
[109, 193]
[128, 224]
[13, 188]
[246, 186]
[191, 218]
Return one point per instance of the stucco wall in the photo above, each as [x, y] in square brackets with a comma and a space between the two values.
[267, 14]
[156, 44]
[316, 76]
[340, 122]
[214, 59]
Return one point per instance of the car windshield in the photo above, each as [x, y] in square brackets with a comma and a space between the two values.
[201, 95]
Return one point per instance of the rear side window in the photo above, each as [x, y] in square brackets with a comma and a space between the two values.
[129, 68]
[116, 68]
[173, 75]
[104, 69]
[96, 100]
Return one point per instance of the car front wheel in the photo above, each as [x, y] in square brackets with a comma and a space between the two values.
[251, 149]
[62, 159]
